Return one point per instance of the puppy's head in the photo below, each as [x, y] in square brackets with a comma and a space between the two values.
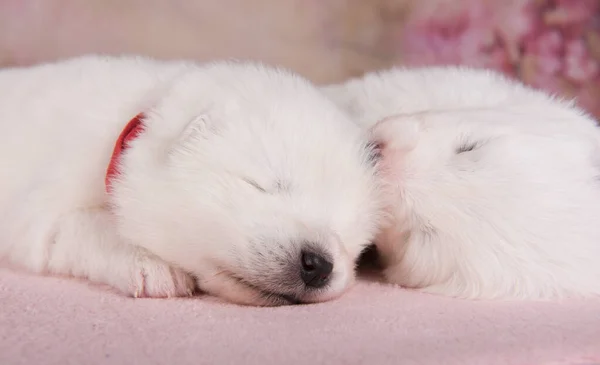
[249, 179]
[485, 185]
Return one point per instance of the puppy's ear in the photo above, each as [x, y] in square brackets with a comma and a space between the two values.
[198, 129]
[400, 133]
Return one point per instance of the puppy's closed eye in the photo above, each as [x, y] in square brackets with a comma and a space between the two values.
[467, 147]
[374, 151]
[278, 186]
[254, 184]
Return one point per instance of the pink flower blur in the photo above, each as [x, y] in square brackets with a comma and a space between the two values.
[549, 44]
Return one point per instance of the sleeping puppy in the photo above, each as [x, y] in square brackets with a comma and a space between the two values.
[149, 176]
[493, 187]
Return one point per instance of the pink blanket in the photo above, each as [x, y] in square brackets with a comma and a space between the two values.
[58, 321]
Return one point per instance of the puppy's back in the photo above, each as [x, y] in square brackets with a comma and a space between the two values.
[381, 94]
[58, 125]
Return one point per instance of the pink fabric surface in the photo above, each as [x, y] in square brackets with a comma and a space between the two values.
[58, 321]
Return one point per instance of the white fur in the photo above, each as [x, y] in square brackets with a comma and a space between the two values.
[239, 168]
[518, 216]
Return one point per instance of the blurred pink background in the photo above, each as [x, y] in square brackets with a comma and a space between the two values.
[551, 44]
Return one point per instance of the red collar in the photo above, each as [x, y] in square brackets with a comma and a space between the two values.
[129, 133]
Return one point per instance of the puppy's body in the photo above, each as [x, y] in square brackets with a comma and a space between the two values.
[228, 181]
[493, 186]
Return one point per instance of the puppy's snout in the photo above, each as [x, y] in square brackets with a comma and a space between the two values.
[316, 269]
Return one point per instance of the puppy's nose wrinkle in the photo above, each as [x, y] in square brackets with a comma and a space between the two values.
[316, 269]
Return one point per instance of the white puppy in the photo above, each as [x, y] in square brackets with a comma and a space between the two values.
[241, 176]
[494, 188]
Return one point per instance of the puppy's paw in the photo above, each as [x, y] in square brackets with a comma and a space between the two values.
[139, 274]
[87, 245]
[153, 278]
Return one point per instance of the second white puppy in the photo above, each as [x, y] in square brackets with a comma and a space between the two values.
[494, 188]
[241, 176]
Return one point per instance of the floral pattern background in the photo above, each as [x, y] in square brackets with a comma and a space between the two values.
[550, 44]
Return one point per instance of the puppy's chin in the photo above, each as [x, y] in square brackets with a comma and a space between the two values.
[237, 291]
[232, 288]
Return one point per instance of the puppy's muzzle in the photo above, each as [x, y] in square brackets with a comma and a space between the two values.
[316, 269]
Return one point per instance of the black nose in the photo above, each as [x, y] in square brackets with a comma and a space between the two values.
[315, 269]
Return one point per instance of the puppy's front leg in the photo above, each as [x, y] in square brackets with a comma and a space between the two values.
[86, 245]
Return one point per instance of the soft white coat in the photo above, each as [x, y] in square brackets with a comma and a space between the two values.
[493, 187]
[240, 167]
